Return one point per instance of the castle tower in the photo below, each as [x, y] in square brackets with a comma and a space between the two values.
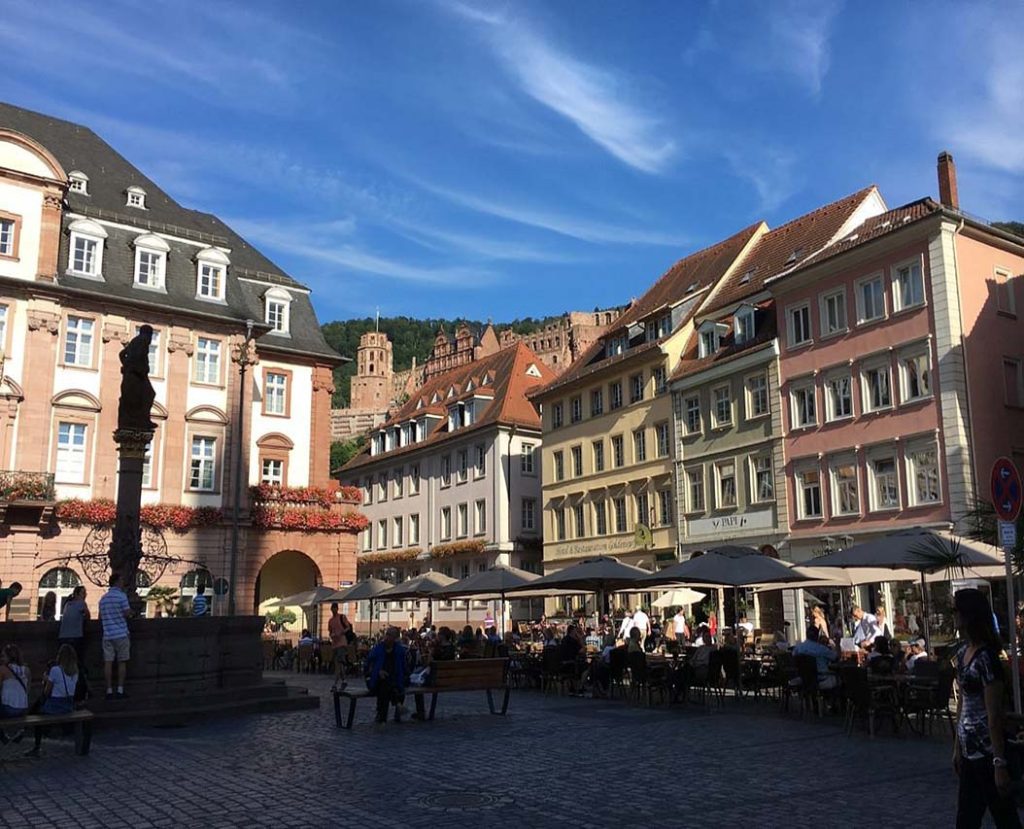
[371, 386]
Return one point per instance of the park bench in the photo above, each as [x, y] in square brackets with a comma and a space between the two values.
[457, 675]
[81, 720]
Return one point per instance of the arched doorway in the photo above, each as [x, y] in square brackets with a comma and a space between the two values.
[61, 581]
[285, 574]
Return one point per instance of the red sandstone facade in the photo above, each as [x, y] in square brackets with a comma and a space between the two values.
[84, 260]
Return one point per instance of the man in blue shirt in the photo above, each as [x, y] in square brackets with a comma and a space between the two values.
[385, 667]
[114, 613]
[823, 656]
[200, 604]
[866, 628]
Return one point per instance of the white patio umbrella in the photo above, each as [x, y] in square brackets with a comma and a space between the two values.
[679, 597]
[366, 590]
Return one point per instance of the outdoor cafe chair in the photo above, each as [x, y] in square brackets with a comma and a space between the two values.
[326, 656]
[552, 673]
[617, 667]
[865, 700]
[714, 681]
[809, 689]
[305, 658]
[644, 680]
[927, 698]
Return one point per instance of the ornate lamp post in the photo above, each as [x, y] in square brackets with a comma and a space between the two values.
[245, 358]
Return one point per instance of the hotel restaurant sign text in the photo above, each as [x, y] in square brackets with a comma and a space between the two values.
[604, 546]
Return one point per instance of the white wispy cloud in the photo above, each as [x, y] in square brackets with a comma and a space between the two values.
[771, 171]
[799, 31]
[597, 100]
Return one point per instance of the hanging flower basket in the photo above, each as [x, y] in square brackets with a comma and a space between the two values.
[306, 495]
[455, 548]
[390, 556]
[177, 518]
[282, 516]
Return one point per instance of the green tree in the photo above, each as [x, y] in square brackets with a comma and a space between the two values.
[342, 451]
[1017, 228]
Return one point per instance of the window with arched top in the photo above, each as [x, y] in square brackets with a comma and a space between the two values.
[61, 581]
[193, 578]
[278, 310]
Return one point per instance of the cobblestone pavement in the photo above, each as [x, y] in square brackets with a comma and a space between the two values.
[551, 762]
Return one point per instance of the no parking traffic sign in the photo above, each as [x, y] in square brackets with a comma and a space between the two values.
[1006, 489]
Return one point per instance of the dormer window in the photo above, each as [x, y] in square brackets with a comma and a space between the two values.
[136, 198]
[212, 268]
[665, 325]
[278, 310]
[710, 338]
[616, 345]
[150, 261]
[78, 182]
[85, 257]
[743, 324]
[794, 256]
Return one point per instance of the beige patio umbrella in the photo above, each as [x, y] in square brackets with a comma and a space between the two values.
[680, 597]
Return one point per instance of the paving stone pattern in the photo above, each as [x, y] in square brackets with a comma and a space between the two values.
[552, 762]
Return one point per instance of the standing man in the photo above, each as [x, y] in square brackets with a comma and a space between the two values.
[681, 628]
[386, 665]
[114, 614]
[626, 626]
[72, 632]
[200, 604]
[865, 630]
[336, 629]
[7, 594]
[643, 622]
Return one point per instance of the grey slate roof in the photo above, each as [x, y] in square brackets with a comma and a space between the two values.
[78, 148]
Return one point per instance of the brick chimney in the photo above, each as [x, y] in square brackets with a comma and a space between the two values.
[947, 181]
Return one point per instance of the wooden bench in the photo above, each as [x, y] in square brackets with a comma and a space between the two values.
[81, 720]
[457, 675]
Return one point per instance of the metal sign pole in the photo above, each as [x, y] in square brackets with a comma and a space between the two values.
[1008, 539]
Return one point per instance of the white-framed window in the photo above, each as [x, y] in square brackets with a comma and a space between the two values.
[278, 310]
[85, 256]
[691, 406]
[7, 234]
[923, 474]
[462, 511]
[382, 533]
[135, 197]
[462, 465]
[71, 450]
[480, 466]
[845, 486]
[276, 393]
[446, 523]
[907, 286]
[761, 477]
[757, 395]
[526, 458]
[665, 507]
[838, 396]
[721, 408]
[600, 518]
[78, 182]
[203, 459]
[598, 447]
[743, 325]
[695, 489]
[870, 299]
[382, 487]
[877, 381]
[708, 340]
[885, 482]
[659, 379]
[636, 388]
[3, 323]
[808, 483]
[833, 312]
[78, 340]
[725, 486]
[368, 538]
[639, 446]
[596, 402]
[558, 461]
[149, 268]
[272, 472]
[154, 350]
[915, 374]
[576, 409]
[207, 361]
[557, 415]
[618, 452]
[1006, 302]
[211, 272]
[805, 407]
[619, 505]
[560, 523]
[398, 534]
[529, 514]
[414, 479]
[414, 528]
[446, 470]
[615, 394]
[1013, 382]
[798, 320]
[480, 516]
[661, 431]
[576, 453]
[147, 466]
[398, 481]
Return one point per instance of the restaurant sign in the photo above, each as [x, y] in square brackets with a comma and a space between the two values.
[592, 548]
[729, 526]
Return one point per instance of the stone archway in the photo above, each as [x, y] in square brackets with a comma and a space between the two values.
[284, 574]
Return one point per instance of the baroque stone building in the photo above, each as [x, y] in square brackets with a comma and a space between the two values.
[560, 343]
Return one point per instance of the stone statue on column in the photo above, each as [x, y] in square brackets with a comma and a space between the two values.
[133, 434]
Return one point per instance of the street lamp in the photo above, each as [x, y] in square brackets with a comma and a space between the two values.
[244, 361]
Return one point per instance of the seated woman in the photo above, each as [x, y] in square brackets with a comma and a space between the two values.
[59, 684]
[467, 643]
[881, 660]
[633, 643]
[15, 679]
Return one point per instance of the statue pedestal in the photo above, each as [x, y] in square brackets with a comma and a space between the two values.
[126, 545]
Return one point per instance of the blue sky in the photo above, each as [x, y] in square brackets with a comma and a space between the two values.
[444, 157]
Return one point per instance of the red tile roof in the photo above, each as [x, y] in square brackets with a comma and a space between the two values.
[785, 248]
[690, 363]
[507, 380]
[698, 271]
[875, 227]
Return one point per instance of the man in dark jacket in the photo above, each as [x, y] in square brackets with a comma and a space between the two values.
[386, 667]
